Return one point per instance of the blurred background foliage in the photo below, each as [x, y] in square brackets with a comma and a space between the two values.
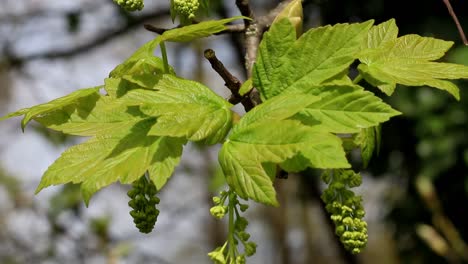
[416, 189]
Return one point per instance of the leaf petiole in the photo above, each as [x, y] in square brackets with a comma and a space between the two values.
[231, 242]
[357, 79]
[164, 56]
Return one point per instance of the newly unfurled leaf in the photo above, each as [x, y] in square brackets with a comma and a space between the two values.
[165, 159]
[139, 64]
[183, 34]
[271, 56]
[38, 110]
[407, 60]
[244, 153]
[293, 12]
[386, 74]
[184, 109]
[122, 156]
[379, 35]
[265, 136]
[277, 108]
[144, 57]
[317, 56]
[345, 108]
[196, 31]
[92, 115]
[368, 139]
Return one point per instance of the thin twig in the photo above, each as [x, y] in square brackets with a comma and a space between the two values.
[231, 82]
[457, 23]
[246, 10]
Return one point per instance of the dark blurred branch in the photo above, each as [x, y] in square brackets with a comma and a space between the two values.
[38, 13]
[235, 39]
[455, 19]
[102, 39]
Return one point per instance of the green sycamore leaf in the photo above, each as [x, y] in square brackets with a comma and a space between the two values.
[319, 55]
[196, 31]
[272, 53]
[408, 60]
[93, 115]
[144, 57]
[184, 108]
[38, 110]
[379, 35]
[368, 139]
[118, 86]
[278, 108]
[345, 108]
[140, 63]
[244, 153]
[264, 136]
[122, 156]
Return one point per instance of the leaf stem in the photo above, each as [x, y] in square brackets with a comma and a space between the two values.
[357, 79]
[164, 56]
[231, 242]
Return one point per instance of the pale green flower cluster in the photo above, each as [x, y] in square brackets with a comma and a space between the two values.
[186, 8]
[345, 208]
[143, 202]
[228, 253]
[130, 5]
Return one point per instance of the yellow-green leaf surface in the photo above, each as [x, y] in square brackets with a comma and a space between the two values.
[294, 13]
[271, 56]
[379, 35]
[367, 139]
[91, 115]
[144, 55]
[345, 108]
[196, 31]
[141, 63]
[277, 108]
[184, 109]
[319, 55]
[407, 60]
[70, 99]
[244, 154]
[121, 156]
[265, 136]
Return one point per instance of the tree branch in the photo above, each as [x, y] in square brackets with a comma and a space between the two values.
[457, 23]
[253, 33]
[246, 10]
[231, 82]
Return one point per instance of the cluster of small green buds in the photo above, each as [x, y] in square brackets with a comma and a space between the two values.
[186, 9]
[143, 202]
[228, 253]
[217, 255]
[345, 208]
[130, 5]
[219, 209]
